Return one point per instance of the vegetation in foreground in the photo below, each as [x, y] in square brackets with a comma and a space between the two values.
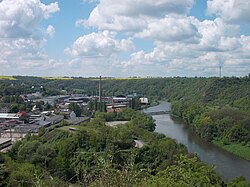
[217, 109]
[98, 155]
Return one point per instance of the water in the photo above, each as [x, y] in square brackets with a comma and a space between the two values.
[227, 164]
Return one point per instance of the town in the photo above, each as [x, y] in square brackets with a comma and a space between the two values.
[43, 112]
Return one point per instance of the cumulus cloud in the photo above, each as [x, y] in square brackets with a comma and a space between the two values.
[50, 30]
[230, 10]
[21, 37]
[220, 44]
[21, 18]
[101, 44]
[218, 35]
[19, 50]
[130, 15]
[171, 28]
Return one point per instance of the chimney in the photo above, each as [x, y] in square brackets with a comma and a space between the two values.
[100, 89]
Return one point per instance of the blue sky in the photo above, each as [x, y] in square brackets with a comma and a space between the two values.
[124, 38]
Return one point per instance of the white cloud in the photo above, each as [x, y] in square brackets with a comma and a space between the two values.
[19, 50]
[21, 18]
[218, 35]
[50, 30]
[101, 44]
[230, 10]
[21, 37]
[220, 44]
[131, 16]
[171, 28]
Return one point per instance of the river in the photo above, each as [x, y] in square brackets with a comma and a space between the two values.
[227, 164]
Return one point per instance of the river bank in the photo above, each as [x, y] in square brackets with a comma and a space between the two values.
[227, 165]
[236, 149]
[242, 151]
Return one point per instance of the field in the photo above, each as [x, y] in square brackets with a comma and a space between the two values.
[57, 78]
[7, 78]
[117, 78]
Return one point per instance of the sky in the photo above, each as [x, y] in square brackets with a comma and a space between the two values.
[125, 38]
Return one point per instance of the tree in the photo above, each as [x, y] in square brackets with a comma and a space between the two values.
[44, 154]
[184, 172]
[28, 150]
[76, 108]
[4, 174]
[14, 108]
[23, 175]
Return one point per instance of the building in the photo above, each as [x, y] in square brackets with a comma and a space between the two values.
[46, 120]
[120, 99]
[4, 142]
[112, 108]
[9, 116]
[144, 100]
[79, 100]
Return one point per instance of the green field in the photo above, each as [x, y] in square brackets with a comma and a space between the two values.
[57, 78]
[237, 149]
[7, 78]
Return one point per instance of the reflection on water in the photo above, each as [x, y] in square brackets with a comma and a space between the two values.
[227, 164]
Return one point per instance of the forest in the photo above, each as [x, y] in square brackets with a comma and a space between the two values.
[98, 155]
[217, 109]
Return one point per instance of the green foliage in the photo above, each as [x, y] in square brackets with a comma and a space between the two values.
[235, 148]
[98, 155]
[27, 151]
[135, 103]
[4, 174]
[76, 108]
[239, 182]
[184, 172]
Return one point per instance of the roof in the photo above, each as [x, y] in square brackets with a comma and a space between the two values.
[120, 98]
[144, 100]
[3, 140]
[8, 116]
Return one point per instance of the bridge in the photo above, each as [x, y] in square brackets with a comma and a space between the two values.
[158, 113]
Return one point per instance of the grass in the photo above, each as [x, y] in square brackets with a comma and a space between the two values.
[57, 78]
[95, 78]
[237, 149]
[7, 78]
[114, 78]
[128, 78]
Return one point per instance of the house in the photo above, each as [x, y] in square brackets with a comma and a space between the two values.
[144, 100]
[72, 115]
[47, 120]
[120, 99]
